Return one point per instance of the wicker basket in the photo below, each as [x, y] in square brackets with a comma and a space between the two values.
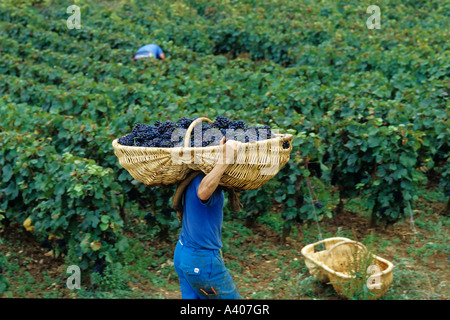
[257, 161]
[333, 265]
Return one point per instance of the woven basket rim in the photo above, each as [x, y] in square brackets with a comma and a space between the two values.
[319, 264]
[346, 276]
[116, 144]
[266, 152]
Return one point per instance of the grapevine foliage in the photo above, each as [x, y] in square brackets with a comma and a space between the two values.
[368, 108]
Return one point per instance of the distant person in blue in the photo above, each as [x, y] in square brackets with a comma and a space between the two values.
[149, 51]
[197, 259]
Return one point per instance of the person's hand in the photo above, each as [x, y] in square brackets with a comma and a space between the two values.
[230, 150]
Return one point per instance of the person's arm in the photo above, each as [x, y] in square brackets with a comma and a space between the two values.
[211, 181]
[160, 53]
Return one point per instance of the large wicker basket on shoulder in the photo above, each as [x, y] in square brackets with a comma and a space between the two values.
[256, 163]
[335, 264]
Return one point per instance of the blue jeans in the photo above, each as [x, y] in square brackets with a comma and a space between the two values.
[203, 274]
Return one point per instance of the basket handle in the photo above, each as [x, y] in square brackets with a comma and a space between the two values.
[344, 242]
[191, 127]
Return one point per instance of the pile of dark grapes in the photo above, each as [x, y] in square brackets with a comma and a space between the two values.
[161, 134]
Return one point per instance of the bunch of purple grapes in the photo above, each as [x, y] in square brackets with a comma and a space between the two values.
[158, 135]
[163, 134]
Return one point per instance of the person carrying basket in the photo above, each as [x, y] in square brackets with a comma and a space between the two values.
[198, 261]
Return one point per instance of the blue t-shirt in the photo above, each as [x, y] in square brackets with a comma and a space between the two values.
[202, 221]
[149, 50]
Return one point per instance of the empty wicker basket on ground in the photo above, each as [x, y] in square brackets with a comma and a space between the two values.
[257, 161]
[342, 261]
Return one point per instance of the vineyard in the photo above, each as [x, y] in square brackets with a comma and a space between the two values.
[368, 109]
